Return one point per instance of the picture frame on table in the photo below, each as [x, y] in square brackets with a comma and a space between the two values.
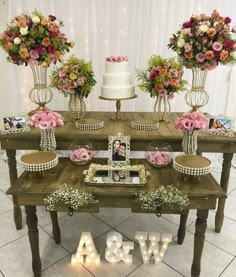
[14, 124]
[119, 150]
[222, 126]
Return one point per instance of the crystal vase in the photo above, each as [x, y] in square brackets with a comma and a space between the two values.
[40, 94]
[162, 107]
[48, 140]
[76, 106]
[189, 142]
[197, 97]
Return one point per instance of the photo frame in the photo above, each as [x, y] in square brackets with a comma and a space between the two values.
[221, 126]
[119, 150]
[14, 124]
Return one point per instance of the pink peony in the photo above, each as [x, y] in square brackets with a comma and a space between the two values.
[217, 46]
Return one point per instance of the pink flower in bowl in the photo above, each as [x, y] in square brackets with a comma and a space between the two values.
[81, 155]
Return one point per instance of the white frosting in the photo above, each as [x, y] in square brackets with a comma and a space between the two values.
[118, 92]
[117, 81]
[116, 67]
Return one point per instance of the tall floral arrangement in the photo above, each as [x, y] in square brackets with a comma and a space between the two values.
[205, 41]
[162, 77]
[75, 76]
[34, 37]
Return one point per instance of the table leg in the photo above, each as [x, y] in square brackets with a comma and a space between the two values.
[33, 233]
[199, 238]
[11, 160]
[182, 227]
[55, 227]
[227, 158]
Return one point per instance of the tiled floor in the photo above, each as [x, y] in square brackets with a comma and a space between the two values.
[219, 255]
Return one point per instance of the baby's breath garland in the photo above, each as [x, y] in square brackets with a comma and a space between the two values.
[73, 198]
[165, 195]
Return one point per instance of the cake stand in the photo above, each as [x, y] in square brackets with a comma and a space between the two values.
[118, 106]
[39, 161]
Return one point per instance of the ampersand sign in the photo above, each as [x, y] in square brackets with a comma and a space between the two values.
[118, 250]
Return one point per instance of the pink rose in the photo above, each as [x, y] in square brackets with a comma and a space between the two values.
[61, 73]
[227, 20]
[34, 54]
[163, 92]
[200, 57]
[80, 81]
[217, 46]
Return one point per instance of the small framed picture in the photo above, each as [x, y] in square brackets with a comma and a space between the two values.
[14, 124]
[220, 124]
[119, 150]
[118, 175]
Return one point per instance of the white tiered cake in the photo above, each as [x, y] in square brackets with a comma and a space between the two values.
[117, 81]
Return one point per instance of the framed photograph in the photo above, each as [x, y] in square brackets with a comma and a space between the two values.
[119, 150]
[14, 124]
[223, 124]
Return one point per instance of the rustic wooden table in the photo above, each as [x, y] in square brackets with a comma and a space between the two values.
[139, 141]
[30, 189]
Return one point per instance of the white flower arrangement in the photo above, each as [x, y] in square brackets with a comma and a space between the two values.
[73, 198]
[165, 195]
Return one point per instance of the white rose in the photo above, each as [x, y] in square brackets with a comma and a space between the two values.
[180, 43]
[24, 31]
[203, 28]
[35, 19]
[17, 40]
[56, 22]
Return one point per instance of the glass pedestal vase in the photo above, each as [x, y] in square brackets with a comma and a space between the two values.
[40, 94]
[197, 97]
[76, 106]
[48, 140]
[162, 107]
[189, 142]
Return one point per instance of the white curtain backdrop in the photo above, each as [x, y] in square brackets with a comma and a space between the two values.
[100, 28]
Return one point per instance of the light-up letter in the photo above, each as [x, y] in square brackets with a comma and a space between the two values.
[156, 245]
[86, 250]
[118, 250]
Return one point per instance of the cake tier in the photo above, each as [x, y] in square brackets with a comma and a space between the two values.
[116, 68]
[117, 80]
[117, 92]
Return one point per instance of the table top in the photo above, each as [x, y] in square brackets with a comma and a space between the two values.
[32, 188]
[139, 139]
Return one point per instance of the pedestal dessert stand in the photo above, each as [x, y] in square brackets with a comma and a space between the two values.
[118, 106]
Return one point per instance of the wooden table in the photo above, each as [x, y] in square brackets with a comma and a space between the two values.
[139, 141]
[31, 188]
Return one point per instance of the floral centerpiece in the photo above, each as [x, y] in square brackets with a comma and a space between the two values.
[202, 43]
[75, 78]
[47, 121]
[162, 79]
[34, 37]
[36, 40]
[165, 195]
[65, 195]
[205, 41]
[191, 123]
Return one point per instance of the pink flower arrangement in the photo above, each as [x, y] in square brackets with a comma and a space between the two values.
[159, 158]
[34, 37]
[81, 155]
[75, 76]
[46, 120]
[117, 59]
[191, 121]
[205, 41]
[162, 77]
